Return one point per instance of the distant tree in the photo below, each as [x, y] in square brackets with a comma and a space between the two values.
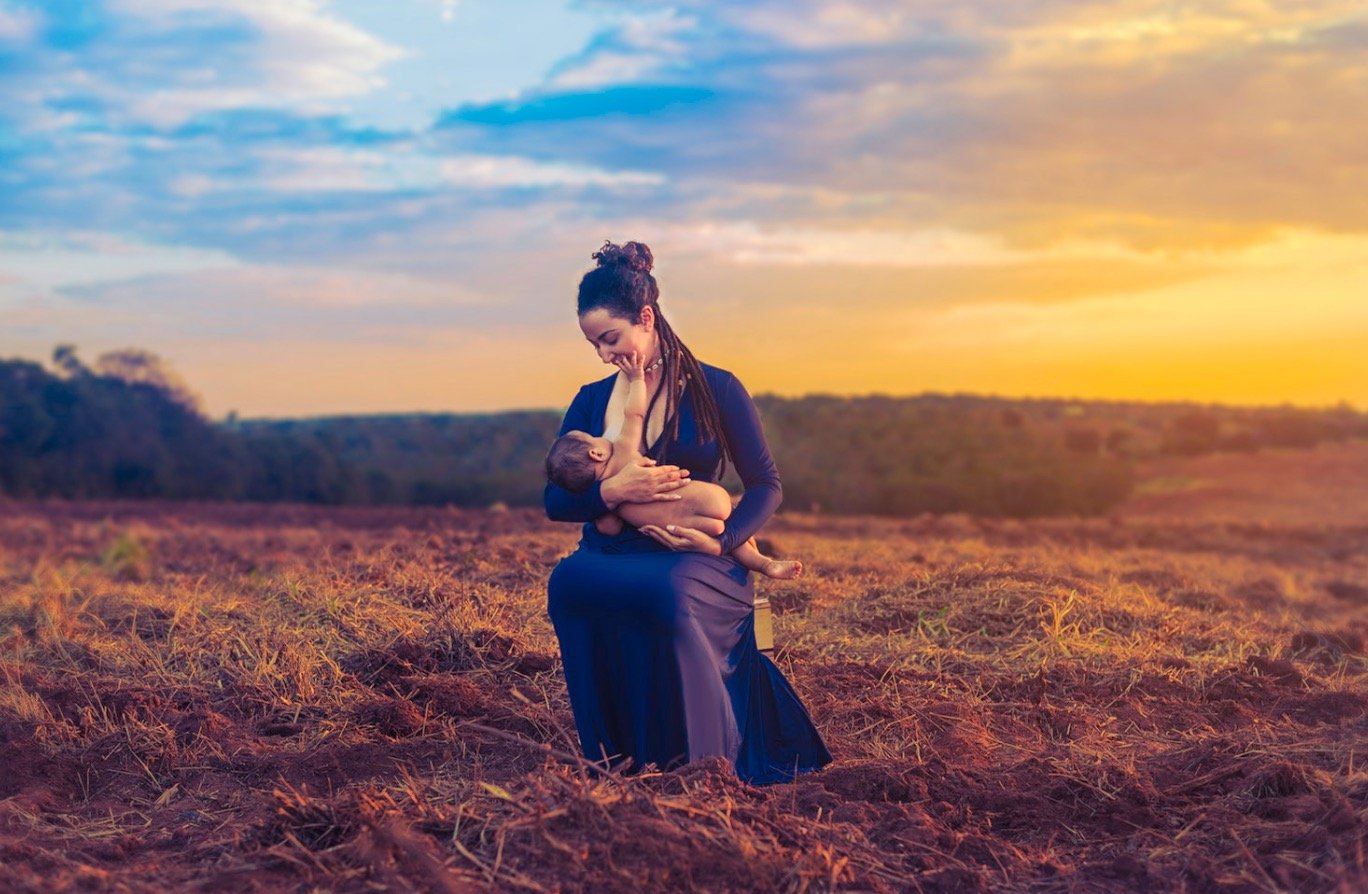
[1082, 439]
[64, 358]
[130, 427]
[1119, 441]
[136, 366]
[1292, 428]
[1192, 433]
[1241, 440]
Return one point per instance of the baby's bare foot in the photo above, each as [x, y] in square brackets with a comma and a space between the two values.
[783, 569]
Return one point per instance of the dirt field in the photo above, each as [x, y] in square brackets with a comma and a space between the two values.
[242, 698]
[1324, 485]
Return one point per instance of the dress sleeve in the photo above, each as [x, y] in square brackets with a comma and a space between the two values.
[751, 456]
[561, 504]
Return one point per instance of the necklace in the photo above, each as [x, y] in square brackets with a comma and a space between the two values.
[660, 361]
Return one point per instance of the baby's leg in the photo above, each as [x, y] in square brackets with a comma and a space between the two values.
[750, 557]
[703, 505]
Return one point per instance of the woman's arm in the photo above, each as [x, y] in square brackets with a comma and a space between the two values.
[640, 482]
[561, 504]
[750, 454]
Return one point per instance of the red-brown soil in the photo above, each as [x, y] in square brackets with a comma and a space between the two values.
[248, 698]
[1322, 484]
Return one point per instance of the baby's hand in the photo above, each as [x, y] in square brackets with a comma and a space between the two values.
[634, 366]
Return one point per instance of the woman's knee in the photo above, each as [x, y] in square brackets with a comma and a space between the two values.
[666, 601]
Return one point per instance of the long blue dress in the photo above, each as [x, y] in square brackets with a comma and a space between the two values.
[659, 646]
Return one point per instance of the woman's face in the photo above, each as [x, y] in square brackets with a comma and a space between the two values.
[614, 337]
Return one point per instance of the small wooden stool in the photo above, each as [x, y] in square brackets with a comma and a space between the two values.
[764, 624]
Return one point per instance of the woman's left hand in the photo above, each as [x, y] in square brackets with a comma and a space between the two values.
[682, 539]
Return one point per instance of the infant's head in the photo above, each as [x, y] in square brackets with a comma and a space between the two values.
[577, 460]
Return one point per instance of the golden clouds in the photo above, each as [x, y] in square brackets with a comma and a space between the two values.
[1219, 119]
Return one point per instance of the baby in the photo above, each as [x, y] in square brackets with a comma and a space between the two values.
[577, 460]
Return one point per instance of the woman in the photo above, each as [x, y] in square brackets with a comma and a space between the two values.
[656, 626]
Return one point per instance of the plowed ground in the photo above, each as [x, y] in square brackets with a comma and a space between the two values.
[247, 698]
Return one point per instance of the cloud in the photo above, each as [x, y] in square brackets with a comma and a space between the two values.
[161, 62]
[748, 243]
[257, 302]
[41, 262]
[18, 25]
[1138, 122]
[511, 172]
[827, 24]
[638, 48]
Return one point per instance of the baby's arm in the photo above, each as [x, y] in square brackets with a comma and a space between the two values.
[627, 446]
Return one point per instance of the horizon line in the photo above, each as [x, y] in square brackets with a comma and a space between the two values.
[1343, 403]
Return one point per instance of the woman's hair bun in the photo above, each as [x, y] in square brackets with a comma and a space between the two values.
[632, 255]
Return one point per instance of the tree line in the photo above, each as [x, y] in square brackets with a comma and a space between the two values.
[128, 427]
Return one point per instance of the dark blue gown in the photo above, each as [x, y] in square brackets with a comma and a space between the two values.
[659, 646]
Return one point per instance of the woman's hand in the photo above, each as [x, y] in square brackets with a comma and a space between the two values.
[643, 482]
[682, 539]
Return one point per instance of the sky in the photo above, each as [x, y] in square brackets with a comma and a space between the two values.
[310, 207]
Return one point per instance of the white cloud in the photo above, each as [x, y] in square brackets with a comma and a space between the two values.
[750, 243]
[636, 48]
[334, 169]
[1152, 34]
[47, 262]
[187, 297]
[18, 25]
[829, 24]
[301, 57]
[511, 172]
[323, 288]
[337, 169]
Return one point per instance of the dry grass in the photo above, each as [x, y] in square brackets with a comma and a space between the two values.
[249, 698]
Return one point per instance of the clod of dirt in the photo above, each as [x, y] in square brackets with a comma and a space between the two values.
[1278, 669]
[315, 823]
[448, 694]
[202, 723]
[1203, 599]
[1263, 593]
[455, 651]
[1279, 779]
[1329, 646]
[535, 663]
[873, 782]
[397, 718]
[1347, 592]
[709, 773]
[1323, 707]
[1156, 580]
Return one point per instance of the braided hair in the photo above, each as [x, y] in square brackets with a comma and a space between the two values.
[622, 284]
